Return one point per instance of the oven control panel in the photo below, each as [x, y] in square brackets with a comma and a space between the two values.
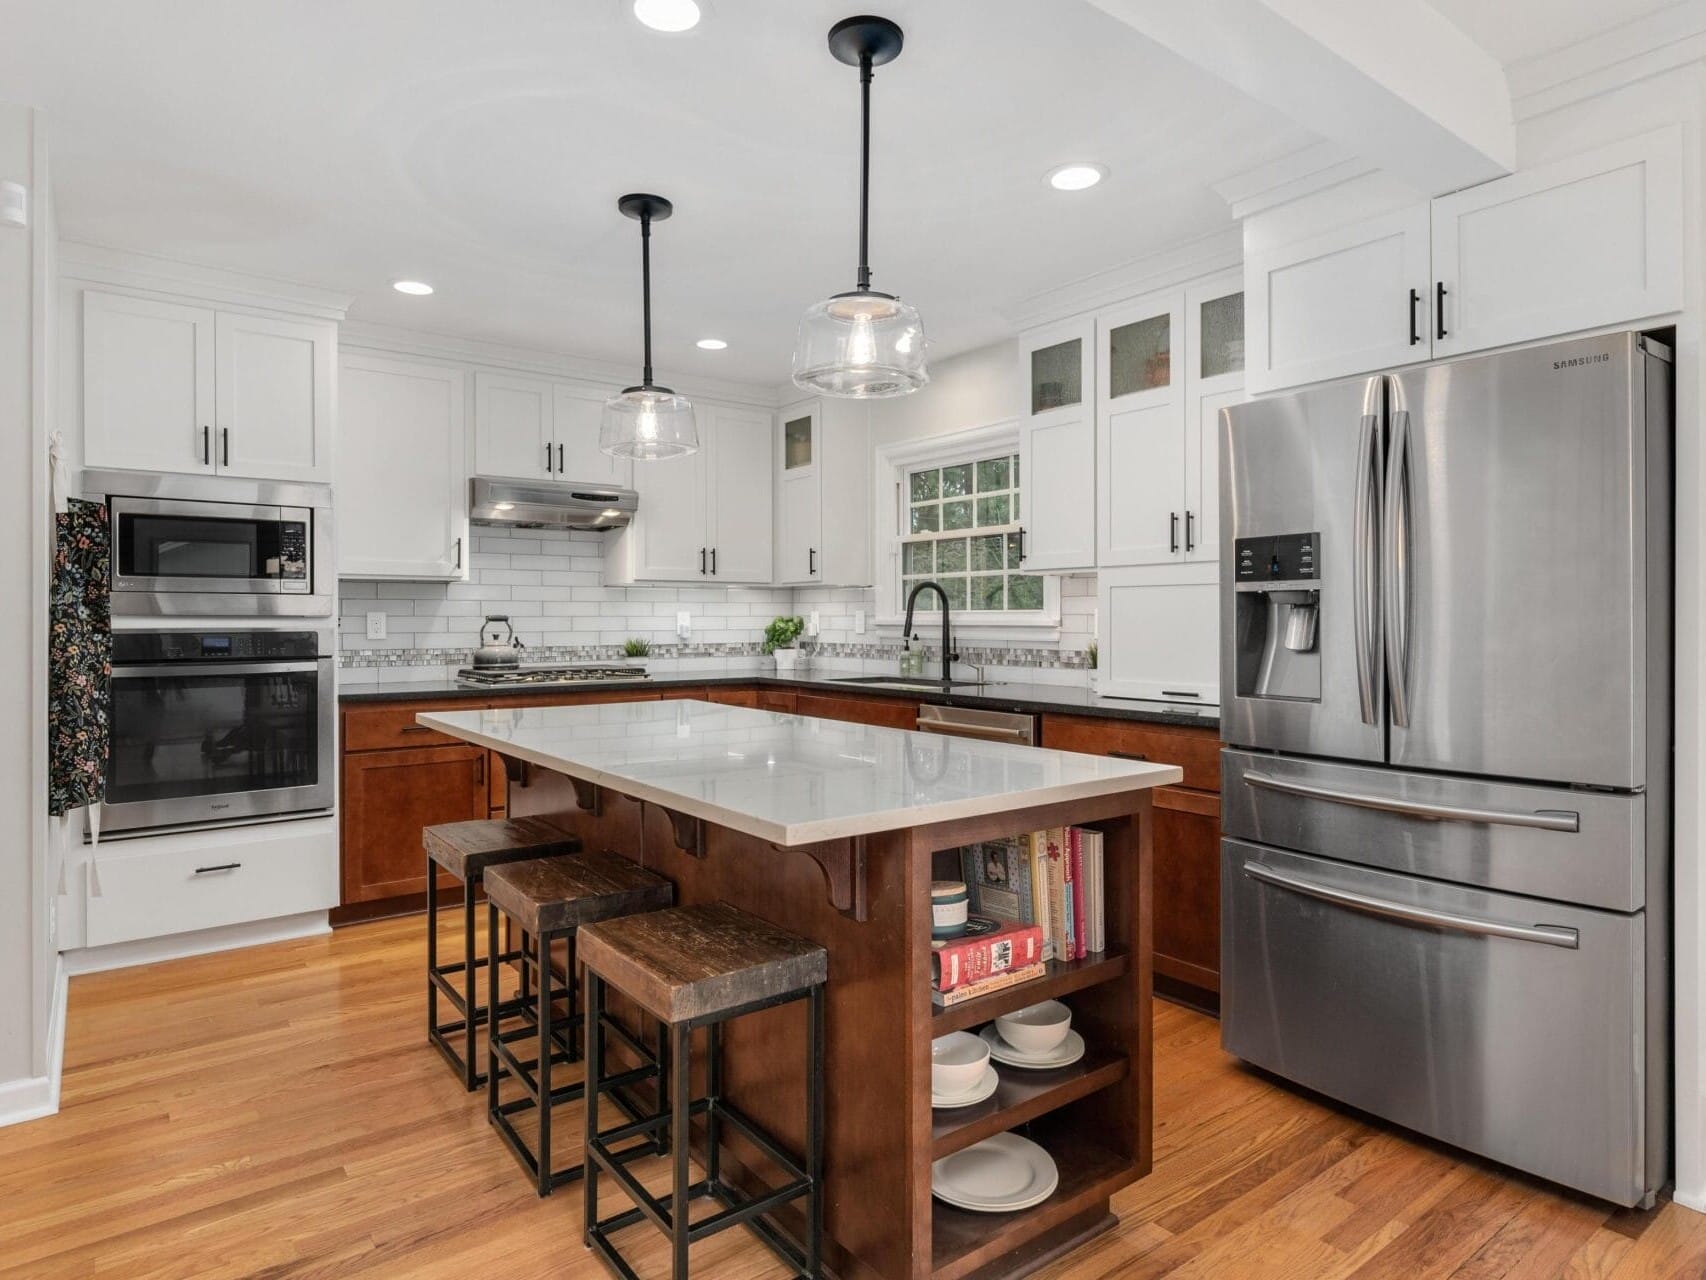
[213, 646]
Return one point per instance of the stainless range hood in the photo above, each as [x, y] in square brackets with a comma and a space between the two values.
[551, 504]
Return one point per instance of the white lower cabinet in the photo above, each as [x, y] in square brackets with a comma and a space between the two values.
[1160, 632]
[159, 885]
[401, 481]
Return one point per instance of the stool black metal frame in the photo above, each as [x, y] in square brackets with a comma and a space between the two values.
[556, 1047]
[470, 1013]
[673, 1218]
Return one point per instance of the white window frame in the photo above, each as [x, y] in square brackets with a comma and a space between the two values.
[894, 461]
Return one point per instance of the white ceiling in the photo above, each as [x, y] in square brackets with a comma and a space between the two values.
[1512, 30]
[481, 147]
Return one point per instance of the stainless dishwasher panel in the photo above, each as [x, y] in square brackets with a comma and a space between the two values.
[970, 722]
[1587, 847]
[1508, 1026]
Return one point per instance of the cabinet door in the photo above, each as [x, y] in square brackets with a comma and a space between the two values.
[513, 431]
[1593, 240]
[576, 415]
[799, 496]
[1057, 446]
[1214, 380]
[1353, 300]
[1160, 633]
[670, 528]
[274, 409]
[401, 480]
[388, 797]
[740, 496]
[1140, 432]
[148, 400]
[1187, 886]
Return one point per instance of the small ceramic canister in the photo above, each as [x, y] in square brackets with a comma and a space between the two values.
[950, 904]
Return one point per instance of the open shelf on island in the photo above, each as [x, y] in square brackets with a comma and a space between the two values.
[1023, 1096]
[1062, 977]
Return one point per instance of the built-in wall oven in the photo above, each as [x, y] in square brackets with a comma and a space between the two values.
[216, 546]
[217, 726]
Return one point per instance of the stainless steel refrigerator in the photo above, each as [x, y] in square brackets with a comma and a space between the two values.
[1446, 699]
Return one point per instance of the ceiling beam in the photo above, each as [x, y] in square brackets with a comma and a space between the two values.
[1394, 83]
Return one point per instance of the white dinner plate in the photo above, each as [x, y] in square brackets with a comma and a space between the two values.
[1002, 1174]
[1064, 1054]
[984, 1088]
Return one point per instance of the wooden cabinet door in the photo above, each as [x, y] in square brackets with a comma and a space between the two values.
[1353, 300]
[1057, 447]
[1187, 886]
[576, 415]
[388, 797]
[148, 398]
[740, 496]
[1140, 432]
[274, 397]
[402, 470]
[513, 429]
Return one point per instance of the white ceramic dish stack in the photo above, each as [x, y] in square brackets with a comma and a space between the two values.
[958, 1062]
[1038, 1037]
[982, 1090]
[1002, 1174]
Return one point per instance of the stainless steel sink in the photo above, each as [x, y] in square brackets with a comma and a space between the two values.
[912, 682]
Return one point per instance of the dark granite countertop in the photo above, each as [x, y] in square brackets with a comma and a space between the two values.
[1030, 698]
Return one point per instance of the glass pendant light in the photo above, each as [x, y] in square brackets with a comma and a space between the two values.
[862, 344]
[647, 421]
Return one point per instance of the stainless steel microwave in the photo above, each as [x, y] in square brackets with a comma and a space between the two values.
[216, 546]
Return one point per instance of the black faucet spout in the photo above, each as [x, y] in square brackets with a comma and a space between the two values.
[948, 654]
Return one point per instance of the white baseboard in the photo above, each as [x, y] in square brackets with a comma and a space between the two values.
[125, 955]
[38, 1096]
[1695, 1199]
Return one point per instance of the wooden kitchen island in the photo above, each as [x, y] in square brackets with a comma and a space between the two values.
[835, 831]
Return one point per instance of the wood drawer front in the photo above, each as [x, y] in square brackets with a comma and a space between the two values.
[732, 697]
[392, 726]
[163, 885]
[388, 797]
[779, 700]
[1196, 751]
[888, 712]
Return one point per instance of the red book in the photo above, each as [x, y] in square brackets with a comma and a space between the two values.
[954, 962]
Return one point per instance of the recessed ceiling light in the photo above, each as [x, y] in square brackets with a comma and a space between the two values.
[419, 288]
[668, 15]
[711, 344]
[1076, 177]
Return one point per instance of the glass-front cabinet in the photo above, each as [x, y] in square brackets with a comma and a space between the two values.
[1140, 436]
[1057, 447]
[1214, 311]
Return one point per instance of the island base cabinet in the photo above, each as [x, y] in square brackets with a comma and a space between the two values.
[388, 797]
[1187, 881]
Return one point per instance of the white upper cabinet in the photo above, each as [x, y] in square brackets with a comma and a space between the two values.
[799, 497]
[822, 460]
[148, 398]
[1593, 240]
[739, 495]
[1140, 432]
[1057, 446]
[402, 492]
[668, 537]
[1585, 242]
[514, 433]
[274, 397]
[576, 415]
[1348, 301]
[1214, 380]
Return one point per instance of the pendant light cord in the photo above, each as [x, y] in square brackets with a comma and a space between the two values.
[865, 173]
[646, 291]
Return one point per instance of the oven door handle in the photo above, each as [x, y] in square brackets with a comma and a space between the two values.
[156, 670]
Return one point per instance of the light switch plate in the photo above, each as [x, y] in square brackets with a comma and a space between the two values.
[858, 622]
[684, 624]
[811, 623]
[376, 626]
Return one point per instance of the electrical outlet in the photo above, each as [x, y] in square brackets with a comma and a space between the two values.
[683, 624]
[811, 623]
[376, 626]
[858, 622]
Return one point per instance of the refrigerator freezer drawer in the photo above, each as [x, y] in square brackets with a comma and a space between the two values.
[1507, 1026]
[1587, 847]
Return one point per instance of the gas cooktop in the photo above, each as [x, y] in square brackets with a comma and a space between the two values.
[546, 675]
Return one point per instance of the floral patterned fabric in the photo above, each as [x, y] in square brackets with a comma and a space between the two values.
[80, 669]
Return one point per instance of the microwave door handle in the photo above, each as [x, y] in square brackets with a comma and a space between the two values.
[1395, 569]
[1365, 589]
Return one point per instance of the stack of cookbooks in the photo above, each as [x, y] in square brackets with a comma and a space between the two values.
[990, 956]
[1051, 879]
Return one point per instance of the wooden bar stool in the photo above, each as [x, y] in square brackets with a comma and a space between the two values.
[550, 899]
[466, 850]
[694, 967]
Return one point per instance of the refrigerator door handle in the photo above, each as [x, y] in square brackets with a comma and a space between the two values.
[1544, 819]
[1550, 935]
[1395, 569]
[1364, 589]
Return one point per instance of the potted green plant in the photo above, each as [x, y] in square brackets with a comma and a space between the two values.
[779, 638]
[636, 647]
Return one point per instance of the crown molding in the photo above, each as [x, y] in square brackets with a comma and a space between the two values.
[146, 272]
[1647, 46]
[494, 355]
[1293, 176]
[1219, 251]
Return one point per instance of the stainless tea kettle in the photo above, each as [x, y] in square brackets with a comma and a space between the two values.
[498, 653]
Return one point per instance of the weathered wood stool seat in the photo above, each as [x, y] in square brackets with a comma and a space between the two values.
[694, 967]
[549, 899]
[466, 850]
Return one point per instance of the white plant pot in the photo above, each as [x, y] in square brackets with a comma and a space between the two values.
[786, 660]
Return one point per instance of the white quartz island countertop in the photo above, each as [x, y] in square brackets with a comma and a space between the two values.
[791, 780]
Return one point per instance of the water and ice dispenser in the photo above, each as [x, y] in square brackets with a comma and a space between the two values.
[1278, 590]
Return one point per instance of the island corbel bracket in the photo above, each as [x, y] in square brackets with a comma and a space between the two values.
[589, 796]
[843, 865]
[518, 771]
[689, 832]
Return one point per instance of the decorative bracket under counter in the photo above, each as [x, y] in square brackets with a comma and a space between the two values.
[843, 865]
[588, 795]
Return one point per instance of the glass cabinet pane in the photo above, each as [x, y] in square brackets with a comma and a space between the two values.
[1056, 376]
[796, 444]
[1223, 335]
[1140, 355]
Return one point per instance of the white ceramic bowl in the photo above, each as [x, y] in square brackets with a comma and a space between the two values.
[1036, 1028]
[957, 1063]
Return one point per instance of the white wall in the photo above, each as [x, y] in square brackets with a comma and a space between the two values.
[972, 389]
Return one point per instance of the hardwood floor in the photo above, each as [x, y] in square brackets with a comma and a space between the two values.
[277, 1112]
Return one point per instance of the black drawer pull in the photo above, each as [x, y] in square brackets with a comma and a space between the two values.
[1415, 333]
[223, 866]
[1129, 755]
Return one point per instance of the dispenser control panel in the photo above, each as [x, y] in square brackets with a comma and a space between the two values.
[1284, 558]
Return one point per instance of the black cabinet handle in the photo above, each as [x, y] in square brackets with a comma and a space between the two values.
[459, 553]
[1415, 332]
[1173, 532]
[713, 562]
[1021, 544]
[811, 561]
[560, 467]
[1190, 536]
[480, 769]
[223, 866]
[207, 446]
[1129, 755]
[225, 446]
[547, 457]
[1439, 309]
[701, 559]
